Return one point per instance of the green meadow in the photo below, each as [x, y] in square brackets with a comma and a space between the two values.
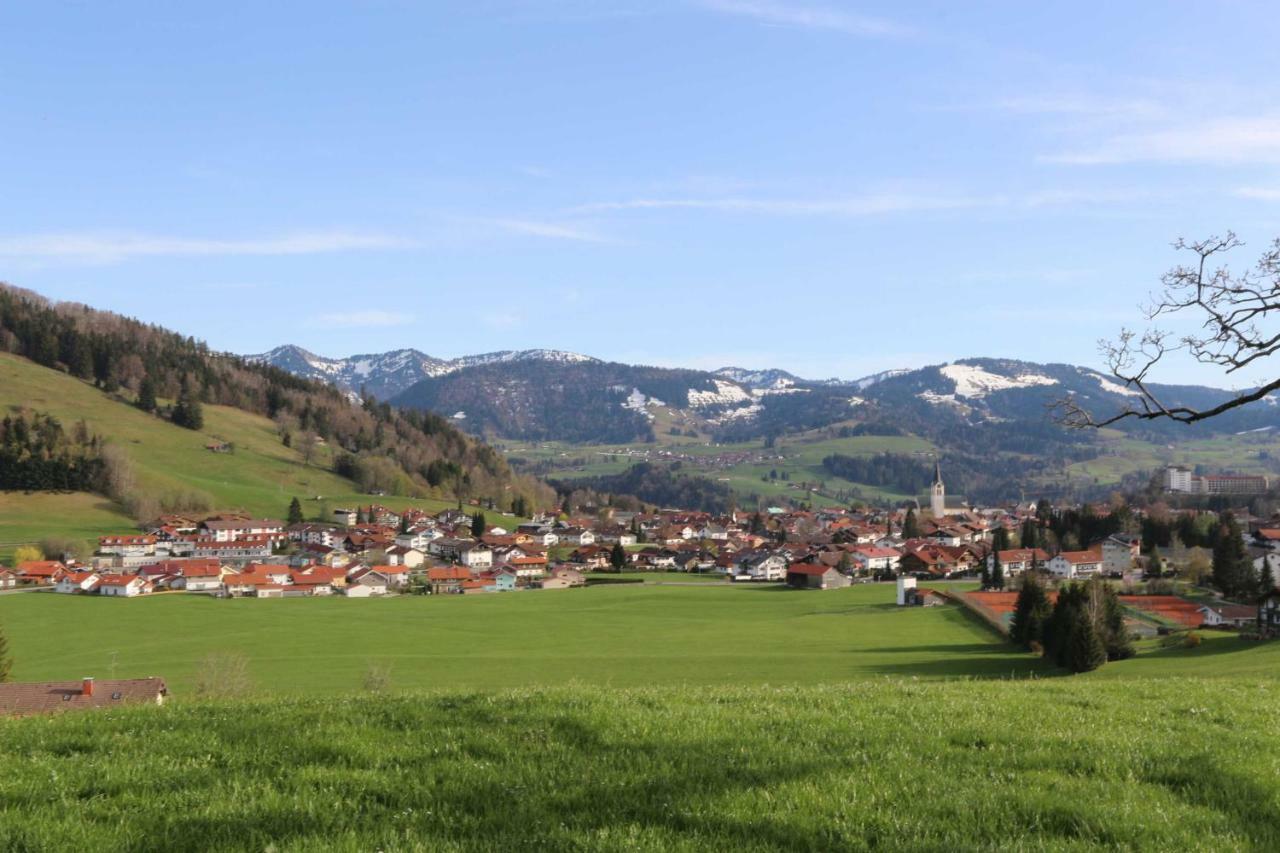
[619, 635]
[622, 635]
[646, 716]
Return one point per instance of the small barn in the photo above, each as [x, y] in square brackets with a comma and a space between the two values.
[815, 576]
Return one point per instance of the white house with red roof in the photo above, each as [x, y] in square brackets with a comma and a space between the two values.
[123, 586]
[869, 558]
[1075, 564]
[77, 582]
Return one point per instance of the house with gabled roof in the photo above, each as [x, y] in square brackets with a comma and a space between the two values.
[123, 586]
[40, 572]
[815, 576]
[77, 582]
[21, 699]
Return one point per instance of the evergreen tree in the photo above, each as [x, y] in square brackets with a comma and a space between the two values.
[1061, 624]
[188, 411]
[1000, 541]
[997, 571]
[6, 660]
[1232, 571]
[477, 524]
[1030, 612]
[295, 511]
[986, 576]
[618, 557]
[1119, 643]
[910, 526]
[147, 394]
[1030, 534]
[1085, 649]
[1267, 579]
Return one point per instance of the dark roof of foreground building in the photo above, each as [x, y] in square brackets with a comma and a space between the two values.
[49, 697]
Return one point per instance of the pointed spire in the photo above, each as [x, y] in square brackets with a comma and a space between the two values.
[937, 472]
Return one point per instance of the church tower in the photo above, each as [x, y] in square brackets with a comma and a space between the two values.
[937, 493]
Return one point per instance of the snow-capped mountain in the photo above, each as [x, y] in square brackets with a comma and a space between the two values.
[762, 380]
[867, 381]
[384, 375]
[553, 395]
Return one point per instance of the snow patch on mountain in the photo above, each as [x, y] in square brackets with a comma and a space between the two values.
[874, 379]
[742, 413]
[1115, 387]
[726, 394]
[974, 382]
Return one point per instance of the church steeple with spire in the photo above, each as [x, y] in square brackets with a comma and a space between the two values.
[937, 493]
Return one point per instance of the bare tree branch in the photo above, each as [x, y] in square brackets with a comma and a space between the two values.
[1234, 310]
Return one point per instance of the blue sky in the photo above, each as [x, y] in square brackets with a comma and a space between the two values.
[833, 188]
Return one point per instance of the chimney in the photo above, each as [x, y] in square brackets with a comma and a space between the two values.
[87, 689]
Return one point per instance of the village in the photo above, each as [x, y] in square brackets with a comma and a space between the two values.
[374, 551]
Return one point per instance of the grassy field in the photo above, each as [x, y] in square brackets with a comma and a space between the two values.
[619, 635]
[261, 477]
[633, 717]
[26, 518]
[893, 764]
[624, 635]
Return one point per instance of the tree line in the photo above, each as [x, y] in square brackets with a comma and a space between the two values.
[419, 453]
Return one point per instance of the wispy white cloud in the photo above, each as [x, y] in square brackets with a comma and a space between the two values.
[1221, 141]
[1259, 193]
[780, 13]
[362, 319]
[551, 230]
[866, 205]
[875, 204]
[1084, 104]
[110, 247]
[502, 320]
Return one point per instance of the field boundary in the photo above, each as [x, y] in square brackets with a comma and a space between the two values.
[986, 614]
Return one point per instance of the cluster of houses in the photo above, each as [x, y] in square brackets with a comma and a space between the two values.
[374, 551]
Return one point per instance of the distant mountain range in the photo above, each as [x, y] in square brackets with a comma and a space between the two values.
[384, 375]
[554, 395]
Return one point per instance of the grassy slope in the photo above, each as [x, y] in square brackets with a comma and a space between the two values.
[621, 635]
[1060, 764]
[260, 477]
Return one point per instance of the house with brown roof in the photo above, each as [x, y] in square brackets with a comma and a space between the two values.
[814, 576]
[444, 579]
[50, 697]
[1232, 615]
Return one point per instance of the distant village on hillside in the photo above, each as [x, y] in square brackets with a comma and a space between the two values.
[372, 551]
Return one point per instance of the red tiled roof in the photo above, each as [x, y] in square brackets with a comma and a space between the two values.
[20, 699]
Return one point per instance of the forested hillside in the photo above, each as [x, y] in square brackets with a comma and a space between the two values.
[172, 378]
